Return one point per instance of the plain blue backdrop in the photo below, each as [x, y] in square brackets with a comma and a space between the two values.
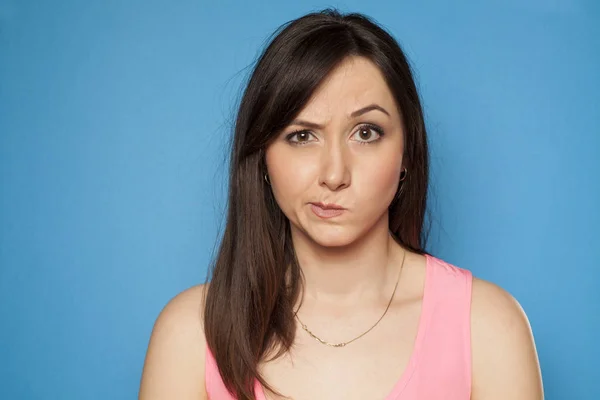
[114, 120]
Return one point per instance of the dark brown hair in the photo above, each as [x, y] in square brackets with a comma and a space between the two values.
[256, 278]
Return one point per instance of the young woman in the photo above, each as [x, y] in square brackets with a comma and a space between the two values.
[322, 288]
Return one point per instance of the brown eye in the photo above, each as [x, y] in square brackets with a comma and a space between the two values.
[368, 133]
[302, 136]
[299, 137]
[364, 133]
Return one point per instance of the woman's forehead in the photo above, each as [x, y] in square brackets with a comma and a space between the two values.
[354, 84]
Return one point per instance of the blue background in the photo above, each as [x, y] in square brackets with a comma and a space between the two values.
[114, 117]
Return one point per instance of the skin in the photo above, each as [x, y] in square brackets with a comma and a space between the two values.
[351, 265]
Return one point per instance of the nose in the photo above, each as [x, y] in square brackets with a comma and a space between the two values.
[335, 172]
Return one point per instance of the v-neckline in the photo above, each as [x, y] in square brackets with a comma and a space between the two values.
[418, 343]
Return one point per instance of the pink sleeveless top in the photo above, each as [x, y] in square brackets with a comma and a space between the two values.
[440, 364]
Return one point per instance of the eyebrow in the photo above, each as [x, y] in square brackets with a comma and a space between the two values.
[354, 114]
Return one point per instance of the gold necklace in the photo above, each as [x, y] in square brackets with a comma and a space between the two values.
[342, 344]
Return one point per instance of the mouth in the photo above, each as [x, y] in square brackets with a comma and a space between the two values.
[327, 210]
[328, 206]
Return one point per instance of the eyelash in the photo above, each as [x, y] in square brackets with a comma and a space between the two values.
[363, 126]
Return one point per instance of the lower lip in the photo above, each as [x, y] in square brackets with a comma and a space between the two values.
[326, 213]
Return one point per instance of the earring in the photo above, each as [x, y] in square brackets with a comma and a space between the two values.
[403, 174]
[267, 179]
[402, 178]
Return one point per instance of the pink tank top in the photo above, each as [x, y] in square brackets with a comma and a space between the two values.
[440, 364]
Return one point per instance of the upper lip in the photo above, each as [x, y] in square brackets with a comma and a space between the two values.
[329, 206]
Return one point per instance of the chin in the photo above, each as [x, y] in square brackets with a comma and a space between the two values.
[333, 237]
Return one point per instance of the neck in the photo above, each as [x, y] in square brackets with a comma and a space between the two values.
[358, 272]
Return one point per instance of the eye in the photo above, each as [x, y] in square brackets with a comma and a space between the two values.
[368, 133]
[299, 137]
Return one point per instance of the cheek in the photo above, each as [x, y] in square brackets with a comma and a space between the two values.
[380, 178]
[291, 175]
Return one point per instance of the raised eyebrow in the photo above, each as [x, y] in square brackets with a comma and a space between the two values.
[354, 114]
[368, 108]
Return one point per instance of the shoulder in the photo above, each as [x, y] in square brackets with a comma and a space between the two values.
[493, 305]
[497, 316]
[174, 364]
[505, 362]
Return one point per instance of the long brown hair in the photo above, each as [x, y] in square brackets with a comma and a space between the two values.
[256, 278]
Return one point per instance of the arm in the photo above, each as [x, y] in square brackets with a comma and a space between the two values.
[505, 362]
[174, 365]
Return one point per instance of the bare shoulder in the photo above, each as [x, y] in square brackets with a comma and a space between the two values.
[174, 364]
[505, 362]
[493, 305]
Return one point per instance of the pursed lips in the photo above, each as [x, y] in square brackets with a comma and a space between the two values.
[327, 210]
[328, 206]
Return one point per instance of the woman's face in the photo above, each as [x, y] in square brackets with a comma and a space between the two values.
[344, 148]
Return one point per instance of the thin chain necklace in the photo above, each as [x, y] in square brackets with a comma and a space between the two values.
[342, 344]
